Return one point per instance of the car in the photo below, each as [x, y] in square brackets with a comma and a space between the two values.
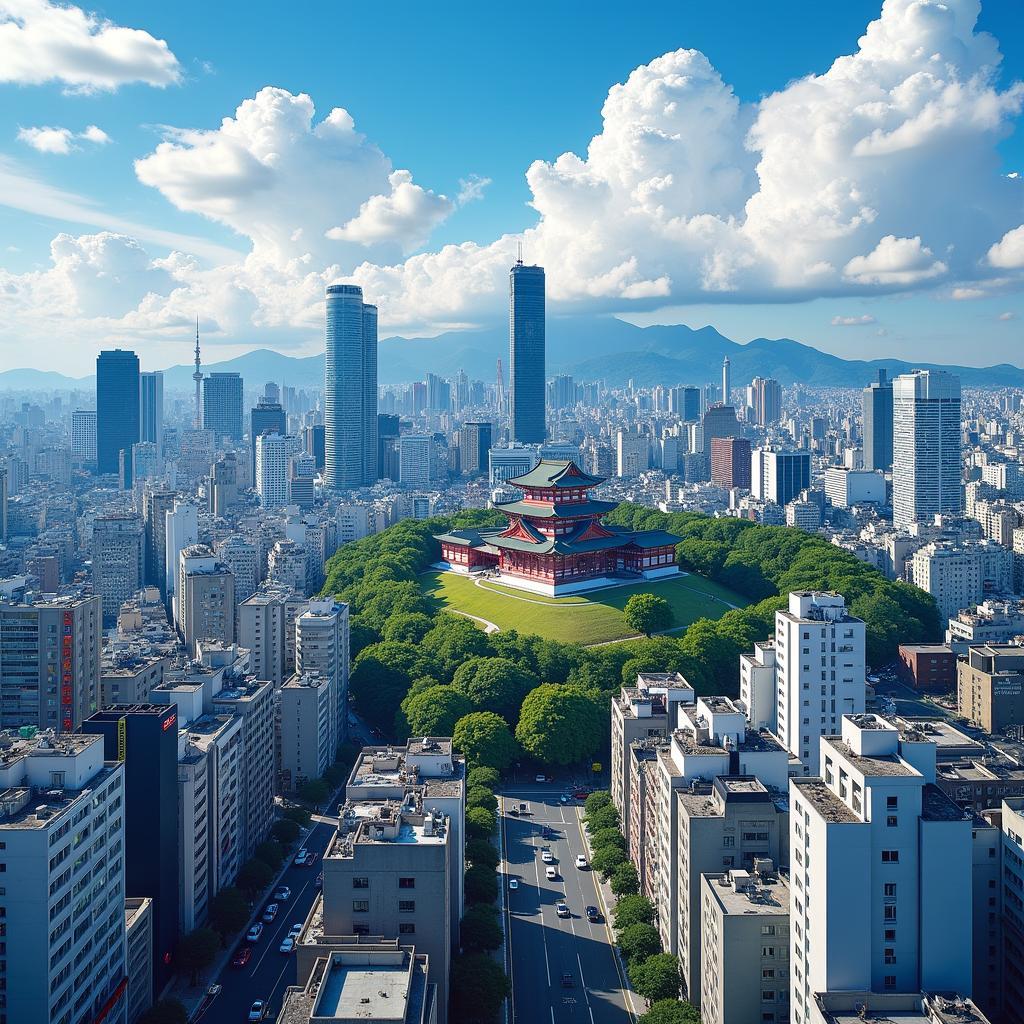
[513, 883]
[310, 859]
[254, 933]
[540, 778]
[300, 857]
[296, 930]
[287, 945]
[258, 1010]
[282, 894]
[563, 799]
[581, 862]
[242, 956]
[593, 915]
[567, 981]
[270, 913]
[580, 794]
[547, 857]
[320, 880]
[562, 909]
[551, 874]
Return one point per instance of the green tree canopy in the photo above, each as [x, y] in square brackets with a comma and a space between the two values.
[314, 791]
[481, 796]
[561, 724]
[480, 884]
[482, 851]
[479, 987]
[598, 799]
[483, 776]
[435, 710]
[656, 978]
[624, 880]
[254, 876]
[485, 739]
[381, 675]
[639, 941]
[408, 627]
[271, 852]
[300, 815]
[494, 684]
[648, 613]
[480, 823]
[285, 830]
[480, 931]
[229, 911]
[454, 639]
[197, 951]
[607, 837]
[633, 910]
[602, 818]
[670, 1011]
[605, 861]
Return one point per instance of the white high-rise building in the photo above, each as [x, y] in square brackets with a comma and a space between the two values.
[63, 909]
[205, 601]
[881, 867]
[182, 529]
[273, 454]
[927, 446]
[632, 453]
[118, 557]
[417, 460]
[820, 672]
[83, 435]
[321, 646]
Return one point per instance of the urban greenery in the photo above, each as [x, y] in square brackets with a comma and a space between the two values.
[197, 951]
[479, 987]
[480, 884]
[480, 823]
[656, 977]
[254, 876]
[670, 1011]
[229, 912]
[480, 931]
[624, 880]
[648, 613]
[632, 910]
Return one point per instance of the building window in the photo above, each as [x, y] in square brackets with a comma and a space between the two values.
[360, 883]
[360, 906]
[407, 883]
[890, 856]
[406, 928]
[768, 951]
[890, 912]
[890, 955]
[767, 929]
[890, 981]
[407, 906]
[890, 934]
[767, 995]
[891, 803]
[360, 929]
[891, 821]
[890, 888]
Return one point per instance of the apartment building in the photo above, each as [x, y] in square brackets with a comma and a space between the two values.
[744, 946]
[992, 622]
[307, 728]
[62, 851]
[875, 847]
[263, 623]
[1012, 899]
[118, 557]
[205, 608]
[321, 645]
[990, 686]
[987, 933]
[138, 923]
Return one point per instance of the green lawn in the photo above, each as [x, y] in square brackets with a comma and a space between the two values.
[585, 619]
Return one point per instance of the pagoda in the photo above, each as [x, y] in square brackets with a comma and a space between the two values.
[555, 543]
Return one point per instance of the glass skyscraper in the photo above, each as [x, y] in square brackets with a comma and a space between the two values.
[876, 405]
[526, 345]
[117, 410]
[151, 427]
[350, 389]
[222, 406]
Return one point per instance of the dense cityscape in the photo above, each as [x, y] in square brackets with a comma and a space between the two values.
[608, 672]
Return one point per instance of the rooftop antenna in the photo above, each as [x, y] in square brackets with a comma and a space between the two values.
[198, 377]
[519, 258]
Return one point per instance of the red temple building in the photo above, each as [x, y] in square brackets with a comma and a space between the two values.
[555, 542]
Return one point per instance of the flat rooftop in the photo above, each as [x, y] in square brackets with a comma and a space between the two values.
[41, 809]
[766, 896]
[883, 764]
[897, 1008]
[824, 801]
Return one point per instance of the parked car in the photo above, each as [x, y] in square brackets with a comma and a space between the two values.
[580, 794]
[547, 857]
[310, 859]
[296, 930]
[551, 874]
[567, 981]
[564, 798]
[593, 915]
[242, 956]
[540, 778]
[287, 944]
[300, 857]
[258, 1010]
[562, 909]
[254, 933]
[270, 913]
[282, 894]
[513, 883]
[581, 862]
[513, 810]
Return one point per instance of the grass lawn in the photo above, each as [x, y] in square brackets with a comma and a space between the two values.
[586, 619]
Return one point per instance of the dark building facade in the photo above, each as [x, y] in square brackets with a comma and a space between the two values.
[730, 462]
[315, 443]
[117, 410]
[144, 737]
[267, 418]
[876, 405]
[474, 447]
[388, 429]
[526, 354]
[222, 406]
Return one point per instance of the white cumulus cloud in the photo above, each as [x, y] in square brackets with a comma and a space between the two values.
[42, 41]
[60, 140]
[1008, 252]
[853, 321]
[895, 261]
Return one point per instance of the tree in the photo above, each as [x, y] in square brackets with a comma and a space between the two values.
[453, 640]
[482, 851]
[165, 1011]
[381, 675]
[480, 823]
[481, 796]
[560, 724]
[633, 910]
[598, 799]
[229, 911]
[285, 831]
[494, 684]
[670, 1011]
[435, 710]
[656, 978]
[197, 951]
[639, 941]
[602, 818]
[478, 989]
[648, 613]
[606, 861]
[300, 815]
[314, 791]
[335, 774]
[607, 837]
[624, 880]
[480, 931]
[254, 876]
[483, 776]
[480, 884]
[271, 853]
[410, 627]
[485, 739]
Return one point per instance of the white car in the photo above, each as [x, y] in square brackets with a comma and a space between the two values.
[300, 857]
[540, 778]
[581, 861]
[258, 1010]
[254, 933]
[546, 857]
[551, 874]
[282, 893]
[561, 909]
[295, 931]
[513, 883]
[287, 944]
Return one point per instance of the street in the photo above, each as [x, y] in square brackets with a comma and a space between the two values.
[543, 946]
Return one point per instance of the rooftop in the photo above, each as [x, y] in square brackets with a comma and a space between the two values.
[936, 806]
[824, 801]
[897, 1008]
[743, 893]
[884, 764]
[556, 473]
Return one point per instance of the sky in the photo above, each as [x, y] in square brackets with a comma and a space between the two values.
[845, 174]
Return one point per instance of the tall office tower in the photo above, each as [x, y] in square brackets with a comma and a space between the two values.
[118, 556]
[313, 438]
[271, 392]
[819, 672]
[350, 389]
[61, 820]
[50, 663]
[417, 460]
[144, 738]
[685, 403]
[83, 435]
[779, 476]
[156, 503]
[632, 453]
[321, 647]
[146, 464]
[195, 455]
[267, 418]
[239, 555]
[117, 409]
[388, 430]
[474, 447]
[767, 400]
[151, 427]
[726, 380]
[730, 462]
[181, 529]
[273, 452]
[418, 397]
[301, 469]
[526, 354]
[205, 602]
[224, 484]
[563, 391]
[926, 446]
[876, 405]
[718, 421]
[876, 847]
[438, 394]
[222, 406]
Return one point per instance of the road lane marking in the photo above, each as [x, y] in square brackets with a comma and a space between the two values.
[506, 910]
[540, 911]
[266, 928]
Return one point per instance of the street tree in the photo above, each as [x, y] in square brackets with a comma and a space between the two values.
[648, 613]
[485, 739]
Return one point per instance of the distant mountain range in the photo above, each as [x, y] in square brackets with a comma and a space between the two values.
[588, 348]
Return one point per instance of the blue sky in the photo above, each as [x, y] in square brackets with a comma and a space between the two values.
[657, 231]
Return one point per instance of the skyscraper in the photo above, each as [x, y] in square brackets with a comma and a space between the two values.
[83, 435]
[526, 353]
[726, 380]
[350, 391]
[267, 418]
[926, 446]
[474, 446]
[151, 427]
[222, 406]
[117, 409]
[876, 404]
[767, 400]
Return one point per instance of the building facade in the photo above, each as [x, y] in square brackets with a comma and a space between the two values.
[528, 424]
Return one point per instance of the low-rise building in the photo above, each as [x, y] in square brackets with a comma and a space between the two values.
[990, 686]
[928, 667]
[992, 622]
